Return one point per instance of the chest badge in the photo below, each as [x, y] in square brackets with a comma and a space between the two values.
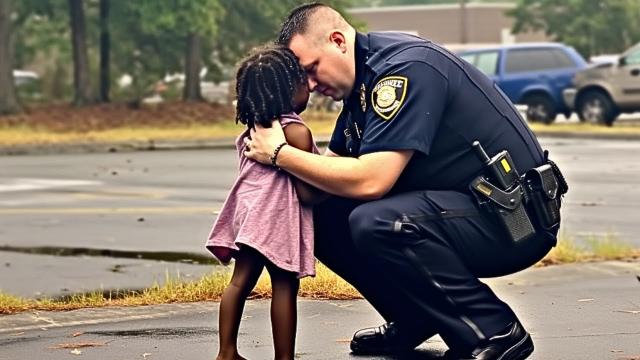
[388, 96]
[363, 97]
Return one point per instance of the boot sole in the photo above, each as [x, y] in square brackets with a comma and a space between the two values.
[356, 349]
[519, 351]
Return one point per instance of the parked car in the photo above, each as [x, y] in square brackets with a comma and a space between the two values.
[604, 91]
[22, 77]
[532, 74]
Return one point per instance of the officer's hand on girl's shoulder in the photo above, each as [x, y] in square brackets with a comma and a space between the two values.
[263, 141]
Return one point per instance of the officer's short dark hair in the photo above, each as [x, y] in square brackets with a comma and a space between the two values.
[266, 84]
[297, 22]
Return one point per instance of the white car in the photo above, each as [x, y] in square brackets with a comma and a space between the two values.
[603, 91]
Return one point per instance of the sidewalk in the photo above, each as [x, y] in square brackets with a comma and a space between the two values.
[577, 311]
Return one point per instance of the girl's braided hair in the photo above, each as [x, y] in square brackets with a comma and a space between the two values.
[266, 84]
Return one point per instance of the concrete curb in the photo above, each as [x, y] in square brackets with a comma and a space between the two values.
[221, 143]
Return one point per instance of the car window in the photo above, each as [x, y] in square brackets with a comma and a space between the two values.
[486, 61]
[633, 58]
[470, 58]
[523, 60]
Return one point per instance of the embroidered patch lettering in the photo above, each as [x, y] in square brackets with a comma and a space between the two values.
[388, 95]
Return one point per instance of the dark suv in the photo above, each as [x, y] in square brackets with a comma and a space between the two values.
[532, 74]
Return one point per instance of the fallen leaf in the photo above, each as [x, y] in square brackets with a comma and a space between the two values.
[634, 312]
[76, 352]
[585, 300]
[77, 345]
[76, 334]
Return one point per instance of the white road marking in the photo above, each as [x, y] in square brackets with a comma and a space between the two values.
[25, 184]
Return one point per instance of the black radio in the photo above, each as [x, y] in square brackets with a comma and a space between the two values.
[499, 190]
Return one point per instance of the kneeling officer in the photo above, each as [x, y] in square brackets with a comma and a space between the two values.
[405, 227]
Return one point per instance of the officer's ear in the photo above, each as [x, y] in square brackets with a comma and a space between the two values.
[339, 40]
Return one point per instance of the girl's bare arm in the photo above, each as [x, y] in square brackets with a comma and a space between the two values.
[299, 136]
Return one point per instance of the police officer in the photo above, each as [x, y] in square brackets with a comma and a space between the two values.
[402, 226]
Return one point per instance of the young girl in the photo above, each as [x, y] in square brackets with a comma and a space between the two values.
[262, 223]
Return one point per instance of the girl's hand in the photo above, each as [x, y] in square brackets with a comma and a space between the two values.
[263, 142]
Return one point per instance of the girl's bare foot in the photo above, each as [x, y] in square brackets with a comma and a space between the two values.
[234, 356]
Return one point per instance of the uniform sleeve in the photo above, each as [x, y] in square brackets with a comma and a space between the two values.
[405, 108]
[338, 141]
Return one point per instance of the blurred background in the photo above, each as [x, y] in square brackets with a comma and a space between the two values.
[116, 56]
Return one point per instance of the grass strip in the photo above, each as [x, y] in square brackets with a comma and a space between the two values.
[326, 285]
[321, 124]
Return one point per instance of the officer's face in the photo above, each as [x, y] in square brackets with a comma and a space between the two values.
[327, 64]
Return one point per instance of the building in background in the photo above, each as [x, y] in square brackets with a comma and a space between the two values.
[457, 26]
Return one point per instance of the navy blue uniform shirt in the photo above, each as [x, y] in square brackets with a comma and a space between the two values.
[411, 94]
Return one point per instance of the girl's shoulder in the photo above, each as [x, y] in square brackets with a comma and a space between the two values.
[290, 118]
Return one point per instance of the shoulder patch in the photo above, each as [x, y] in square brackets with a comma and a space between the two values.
[388, 95]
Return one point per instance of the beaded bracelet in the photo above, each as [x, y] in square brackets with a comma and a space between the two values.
[274, 157]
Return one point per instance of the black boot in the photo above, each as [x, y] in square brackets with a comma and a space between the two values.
[512, 344]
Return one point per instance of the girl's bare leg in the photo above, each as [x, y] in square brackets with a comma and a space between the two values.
[247, 269]
[284, 287]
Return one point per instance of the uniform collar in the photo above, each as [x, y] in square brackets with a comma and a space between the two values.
[361, 56]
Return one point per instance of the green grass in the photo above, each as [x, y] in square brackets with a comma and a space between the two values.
[321, 124]
[326, 285]
[595, 248]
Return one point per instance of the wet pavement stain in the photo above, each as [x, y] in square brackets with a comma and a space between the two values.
[18, 340]
[159, 332]
[179, 257]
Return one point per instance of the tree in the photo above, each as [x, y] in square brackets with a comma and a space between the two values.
[81, 72]
[248, 23]
[190, 21]
[105, 51]
[8, 100]
[591, 26]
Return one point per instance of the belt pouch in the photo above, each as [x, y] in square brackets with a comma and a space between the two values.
[543, 195]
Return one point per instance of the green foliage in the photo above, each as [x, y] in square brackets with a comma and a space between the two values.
[591, 26]
[248, 23]
[181, 17]
[365, 3]
[148, 38]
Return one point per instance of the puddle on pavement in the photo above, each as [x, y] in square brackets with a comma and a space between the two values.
[158, 332]
[185, 258]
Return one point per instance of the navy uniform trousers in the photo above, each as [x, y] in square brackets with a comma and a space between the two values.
[417, 256]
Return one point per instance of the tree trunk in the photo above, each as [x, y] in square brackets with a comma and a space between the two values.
[192, 68]
[81, 81]
[8, 100]
[105, 51]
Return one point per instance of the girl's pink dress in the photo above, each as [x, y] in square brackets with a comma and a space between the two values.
[262, 211]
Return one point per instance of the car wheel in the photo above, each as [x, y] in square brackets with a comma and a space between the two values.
[597, 108]
[540, 108]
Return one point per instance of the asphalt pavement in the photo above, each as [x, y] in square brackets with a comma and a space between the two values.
[574, 312]
[580, 311]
